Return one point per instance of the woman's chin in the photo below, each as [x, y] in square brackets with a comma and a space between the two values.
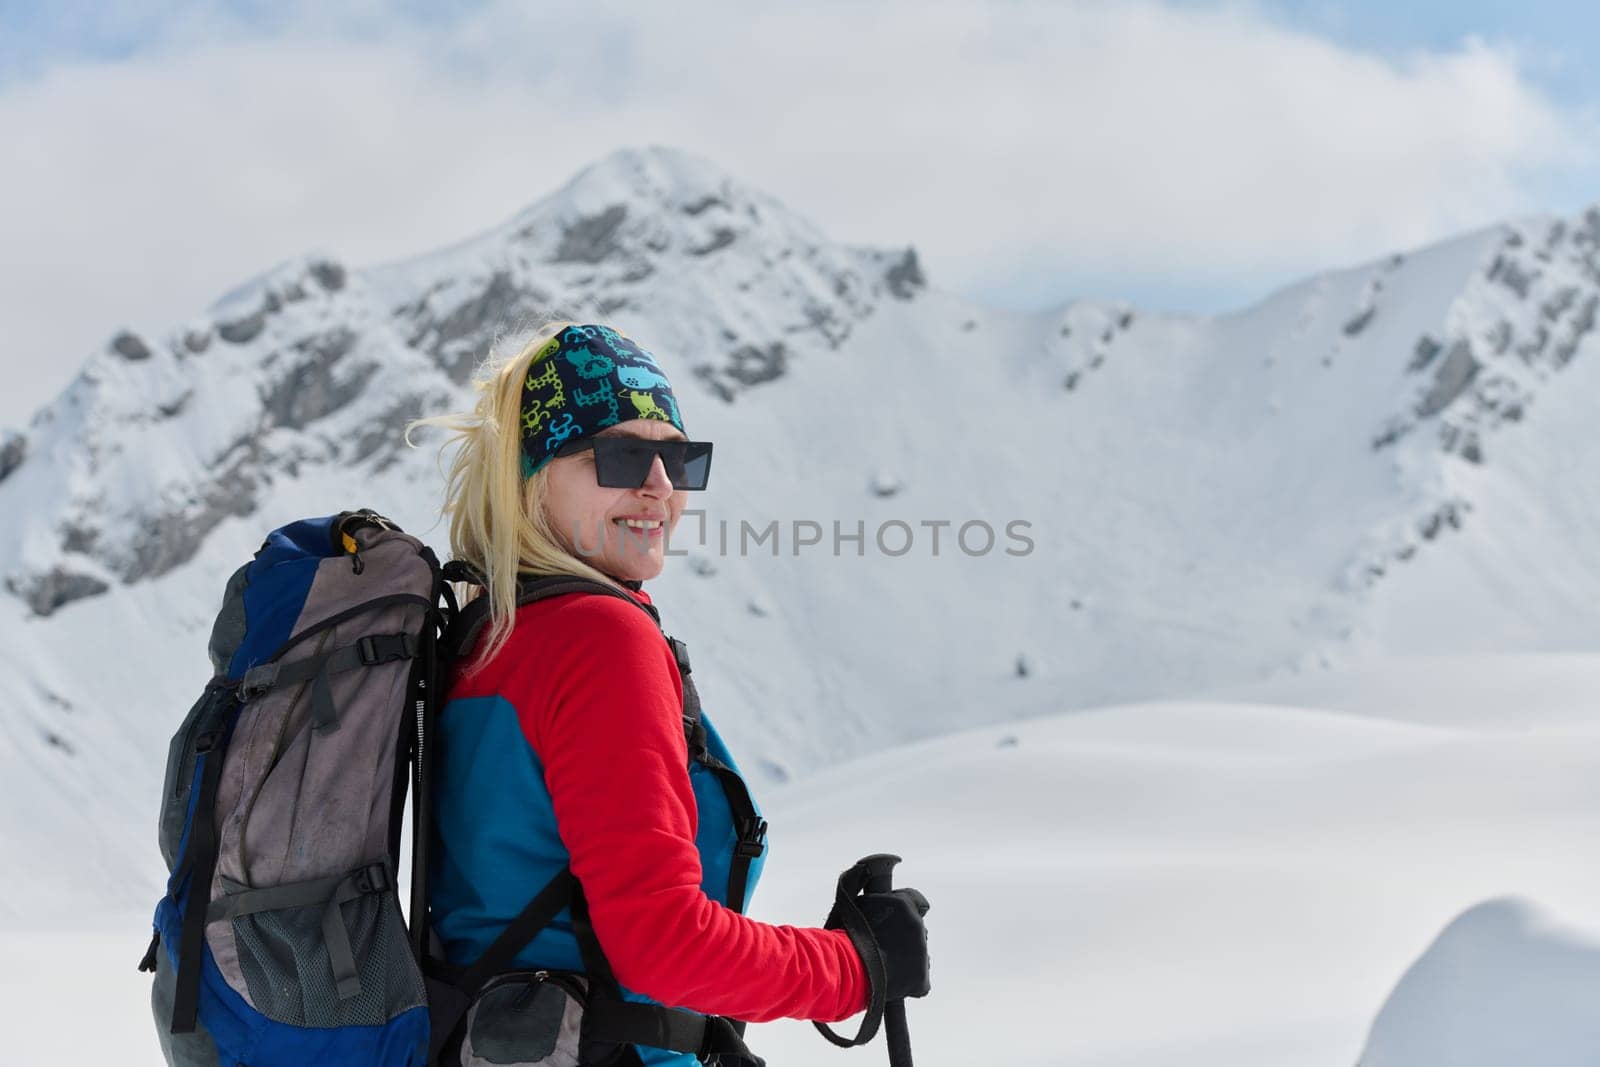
[634, 567]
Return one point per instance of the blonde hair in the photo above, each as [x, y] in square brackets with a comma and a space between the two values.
[497, 518]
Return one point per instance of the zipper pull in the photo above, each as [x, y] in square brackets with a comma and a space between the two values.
[148, 964]
[357, 564]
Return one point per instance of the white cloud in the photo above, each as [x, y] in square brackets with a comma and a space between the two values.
[1131, 139]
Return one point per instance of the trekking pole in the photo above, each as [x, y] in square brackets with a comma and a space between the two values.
[880, 879]
[874, 874]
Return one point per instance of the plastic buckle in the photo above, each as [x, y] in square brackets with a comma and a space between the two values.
[257, 681]
[393, 647]
[694, 735]
[752, 838]
[373, 879]
[680, 653]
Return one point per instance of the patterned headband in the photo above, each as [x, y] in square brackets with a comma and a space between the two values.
[584, 379]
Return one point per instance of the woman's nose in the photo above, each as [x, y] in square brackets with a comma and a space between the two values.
[656, 483]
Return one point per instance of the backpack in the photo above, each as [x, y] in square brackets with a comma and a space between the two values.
[279, 939]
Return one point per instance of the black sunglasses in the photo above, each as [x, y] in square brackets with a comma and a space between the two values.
[625, 462]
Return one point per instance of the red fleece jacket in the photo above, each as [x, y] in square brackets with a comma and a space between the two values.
[599, 698]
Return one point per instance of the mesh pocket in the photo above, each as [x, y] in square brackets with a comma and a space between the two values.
[525, 1020]
[290, 976]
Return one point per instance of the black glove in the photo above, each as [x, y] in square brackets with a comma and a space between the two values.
[897, 927]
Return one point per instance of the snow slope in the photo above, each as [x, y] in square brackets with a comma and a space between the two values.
[1174, 884]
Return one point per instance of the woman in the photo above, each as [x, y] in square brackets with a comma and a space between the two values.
[568, 743]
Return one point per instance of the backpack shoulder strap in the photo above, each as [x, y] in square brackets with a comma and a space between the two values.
[467, 626]
[748, 824]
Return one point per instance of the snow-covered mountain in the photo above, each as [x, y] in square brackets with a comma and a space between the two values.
[1390, 458]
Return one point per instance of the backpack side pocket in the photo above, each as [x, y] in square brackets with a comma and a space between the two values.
[179, 779]
[328, 953]
[526, 1019]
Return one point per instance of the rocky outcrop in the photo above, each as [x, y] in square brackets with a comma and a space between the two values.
[312, 385]
[130, 346]
[54, 589]
[1405, 540]
[1514, 327]
[1086, 337]
[13, 450]
[721, 238]
[904, 276]
[329, 275]
[1453, 377]
[458, 336]
[171, 534]
[591, 239]
[1422, 355]
[243, 330]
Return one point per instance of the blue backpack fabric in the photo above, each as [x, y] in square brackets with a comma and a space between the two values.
[280, 940]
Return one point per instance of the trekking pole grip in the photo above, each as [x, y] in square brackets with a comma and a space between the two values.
[880, 879]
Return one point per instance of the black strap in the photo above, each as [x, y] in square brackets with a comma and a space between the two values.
[429, 696]
[613, 1019]
[148, 963]
[544, 907]
[452, 988]
[539, 588]
[462, 633]
[200, 863]
[626, 1022]
[847, 915]
[750, 827]
[747, 822]
[368, 651]
[595, 964]
[468, 624]
[365, 607]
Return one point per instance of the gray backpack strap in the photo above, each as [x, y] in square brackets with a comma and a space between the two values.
[368, 651]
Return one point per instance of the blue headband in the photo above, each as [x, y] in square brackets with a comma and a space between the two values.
[584, 379]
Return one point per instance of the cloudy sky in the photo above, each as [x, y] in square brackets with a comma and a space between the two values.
[1186, 155]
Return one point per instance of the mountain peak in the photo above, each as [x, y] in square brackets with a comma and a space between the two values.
[639, 205]
[312, 365]
[651, 177]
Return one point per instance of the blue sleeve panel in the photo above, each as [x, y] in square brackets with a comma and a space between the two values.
[496, 843]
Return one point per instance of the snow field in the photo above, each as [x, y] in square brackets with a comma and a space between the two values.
[1207, 883]
[1193, 883]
